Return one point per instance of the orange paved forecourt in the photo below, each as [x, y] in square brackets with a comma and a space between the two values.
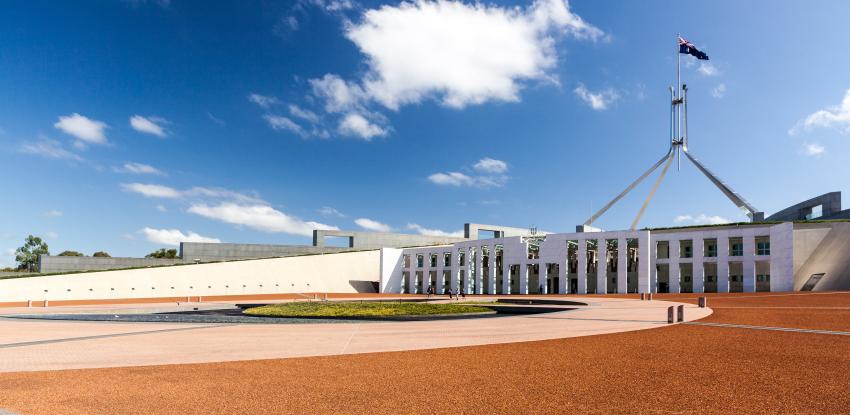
[675, 369]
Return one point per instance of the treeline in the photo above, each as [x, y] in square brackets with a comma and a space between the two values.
[27, 256]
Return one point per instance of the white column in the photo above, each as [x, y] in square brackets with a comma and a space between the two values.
[653, 264]
[646, 262]
[723, 262]
[622, 266]
[426, 272]
[491, 270]
[675, 278]
[562, 275]
[601, 266]
[582, 266]
[749, 261]
[698, 278]
[455, 271]
[479, 270]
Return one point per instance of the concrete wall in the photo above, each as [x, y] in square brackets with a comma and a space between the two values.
[378, 240]
[822, 248]
[830, 203]
[335, 273]
[54, 264]
[472, 230]
[207, 252]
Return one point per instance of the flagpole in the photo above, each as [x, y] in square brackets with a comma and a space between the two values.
[678, 100]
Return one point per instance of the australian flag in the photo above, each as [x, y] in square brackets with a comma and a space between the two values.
[690, 49]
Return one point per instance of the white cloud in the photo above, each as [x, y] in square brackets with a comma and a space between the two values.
[354, 124]
[53, 213]
[599, 101]
[707, 69]
[334, 5]
[719, 91]
[262, 100]
[161, 208]
[372, 225]
[260, 217]
[493, 175]
[304, 114]
[433, 232]
[451, 179]
[151, 190]
[813, 149]
[460, 53]
[701, 219]
[149, 125]
[277, 122]
[338, 95]
[175, 236]
[51, 149]
[329, 211]
[86, 130]
[835, 117]
[488, 165]
[139, 168]
[51, 235]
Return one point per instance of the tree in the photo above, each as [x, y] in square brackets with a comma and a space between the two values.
[101, 254]
[27, 256]
[163, 253]
[70, 253]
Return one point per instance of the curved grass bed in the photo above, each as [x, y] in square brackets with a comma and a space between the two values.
[362, 310]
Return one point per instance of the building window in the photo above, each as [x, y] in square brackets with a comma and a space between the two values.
[686, 249]
[687, 279]
[763, 278]
[709, 278]
[711, 251]
[763, 248]
[420, 261]
[736, 249]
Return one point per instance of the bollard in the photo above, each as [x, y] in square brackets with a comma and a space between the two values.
[315, 296]
[649, 296]
[188, 300]
[45, 303]
[200, 299]
[681, 314]
[670, 315]
[326, 296]
[642, 296]
[29, 303]
[703, 302]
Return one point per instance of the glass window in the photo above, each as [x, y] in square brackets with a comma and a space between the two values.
[763, 248]
[736, 249]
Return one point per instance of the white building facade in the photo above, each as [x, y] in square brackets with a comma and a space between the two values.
[735, 258]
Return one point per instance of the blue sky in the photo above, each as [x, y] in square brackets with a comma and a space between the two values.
[128, 125]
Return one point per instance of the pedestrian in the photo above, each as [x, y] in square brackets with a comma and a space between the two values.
[450, 293]
[462, 293]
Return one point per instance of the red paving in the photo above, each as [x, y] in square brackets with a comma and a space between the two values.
[678, 369]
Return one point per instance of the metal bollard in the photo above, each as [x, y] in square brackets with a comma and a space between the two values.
[200, 299]
[649, 296]
[642, 296]
[29, 303]
[703, 302]
[326, 296]
[670, 315]
[45, 303]
[681, 314]
[188, 300]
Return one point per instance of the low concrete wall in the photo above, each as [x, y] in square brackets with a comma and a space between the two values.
[378, 240]
[348, 272]
[54, 264]
[206, 252]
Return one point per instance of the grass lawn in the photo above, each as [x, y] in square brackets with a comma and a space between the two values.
[360, 309]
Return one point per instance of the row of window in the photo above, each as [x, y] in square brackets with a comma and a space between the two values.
[190, 287]
[736, 248]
